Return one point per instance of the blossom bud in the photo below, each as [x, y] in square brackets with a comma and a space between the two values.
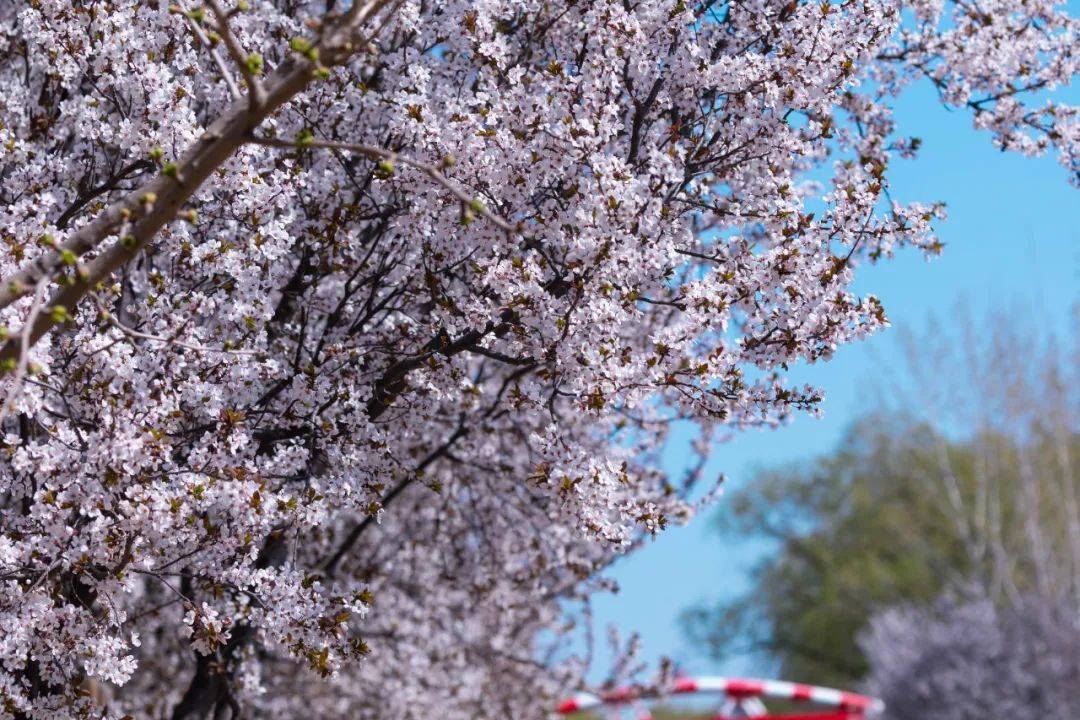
[59, 314]
[301, 45]
[254, 63]
[385, 168]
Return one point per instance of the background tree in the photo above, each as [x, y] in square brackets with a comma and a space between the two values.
[341, 337]
[963, 658]
[965, 479]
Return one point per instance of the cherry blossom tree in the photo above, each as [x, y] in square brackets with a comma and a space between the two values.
[969, 658]
[340, 338]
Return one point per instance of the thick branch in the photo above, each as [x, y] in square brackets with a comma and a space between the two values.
[144, 211]
[392, 381]
[168, 192]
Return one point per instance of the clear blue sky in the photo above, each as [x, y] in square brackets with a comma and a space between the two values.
[1013, 236]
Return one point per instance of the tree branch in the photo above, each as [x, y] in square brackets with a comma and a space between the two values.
[234, 89]
[257, 93]
[144, 211]
[378, 153]
[330, 565]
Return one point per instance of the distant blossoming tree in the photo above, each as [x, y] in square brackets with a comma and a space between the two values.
[970, 659]
[340, 336]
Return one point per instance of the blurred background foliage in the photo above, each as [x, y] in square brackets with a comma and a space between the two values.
[964, 476]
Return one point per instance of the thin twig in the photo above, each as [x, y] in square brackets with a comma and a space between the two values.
[358, 12]
[258, 94]
[379, 153]
[24, 353]
[234, 89]
[108, 317]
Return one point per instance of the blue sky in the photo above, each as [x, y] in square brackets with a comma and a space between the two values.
[1012, 238]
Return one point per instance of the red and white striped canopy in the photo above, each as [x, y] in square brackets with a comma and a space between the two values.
[843, 704]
